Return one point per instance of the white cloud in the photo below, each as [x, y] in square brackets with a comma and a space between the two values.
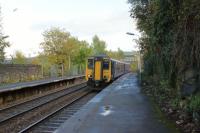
[83, 19]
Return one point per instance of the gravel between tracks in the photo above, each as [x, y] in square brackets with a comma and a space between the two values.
[18, 123]
[54, 121]
[9, 112]
[30, 98]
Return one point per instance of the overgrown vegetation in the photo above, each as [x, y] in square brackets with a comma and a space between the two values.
[19, 58]
[170, 44]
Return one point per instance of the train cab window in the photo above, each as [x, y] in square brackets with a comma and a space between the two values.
[90, 63]
[106, 64]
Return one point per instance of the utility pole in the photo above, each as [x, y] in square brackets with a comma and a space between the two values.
[139, 58]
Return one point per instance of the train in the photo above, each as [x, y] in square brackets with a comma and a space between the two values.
[101, 70]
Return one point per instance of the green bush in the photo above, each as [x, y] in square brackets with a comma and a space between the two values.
[194, 105]
[134, 67]
[175, 103]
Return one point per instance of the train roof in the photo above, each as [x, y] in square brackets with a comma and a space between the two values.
[102, 55]
[106, 56]
[120, 61]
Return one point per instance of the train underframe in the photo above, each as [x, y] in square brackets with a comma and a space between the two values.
[97, 85]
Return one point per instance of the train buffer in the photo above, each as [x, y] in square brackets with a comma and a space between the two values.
[119, 108]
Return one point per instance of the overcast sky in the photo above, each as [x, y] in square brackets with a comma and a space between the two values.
[25, 20]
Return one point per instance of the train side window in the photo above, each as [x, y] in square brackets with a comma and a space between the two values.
[90, 63]
[106, 64]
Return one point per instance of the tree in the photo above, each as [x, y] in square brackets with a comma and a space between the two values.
[64, 50]
[119, 54]
[3, 42]
[19, 58]
[80, 57]
[157, 21]
[54, 42]
[44, 62]
[170, 41]
[59, 46]
[171, 50]
[98, 46]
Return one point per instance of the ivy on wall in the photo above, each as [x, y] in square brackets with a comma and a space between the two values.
[171, 36]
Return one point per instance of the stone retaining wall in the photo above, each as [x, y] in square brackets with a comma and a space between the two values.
[10, 73]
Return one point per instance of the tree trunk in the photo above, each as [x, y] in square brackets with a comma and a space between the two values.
[69, 62]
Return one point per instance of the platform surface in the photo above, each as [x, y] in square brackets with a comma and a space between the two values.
[20, 85]
[119, 108]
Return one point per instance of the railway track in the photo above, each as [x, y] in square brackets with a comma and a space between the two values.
[22, 115]
[17, 109]
[54, 120]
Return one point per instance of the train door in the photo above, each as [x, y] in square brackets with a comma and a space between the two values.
[113, 69]
[89, 68]
[98, 69]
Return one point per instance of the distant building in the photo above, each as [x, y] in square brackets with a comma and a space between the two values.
[7, 61]
[10, 60]
[130, 57]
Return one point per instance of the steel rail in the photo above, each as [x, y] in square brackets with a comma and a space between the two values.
[51, 114]
[29, 100]
[39, 105]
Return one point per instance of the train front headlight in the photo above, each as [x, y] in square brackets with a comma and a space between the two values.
[89, 76]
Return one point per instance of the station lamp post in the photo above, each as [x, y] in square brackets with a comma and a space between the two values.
[139, 58]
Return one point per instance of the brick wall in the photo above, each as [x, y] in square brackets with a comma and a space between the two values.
[17, 72]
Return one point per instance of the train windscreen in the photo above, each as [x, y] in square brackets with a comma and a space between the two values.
[90, 63]
[106, 64]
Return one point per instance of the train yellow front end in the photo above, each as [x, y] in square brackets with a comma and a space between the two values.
[98, 70]
[101, 70]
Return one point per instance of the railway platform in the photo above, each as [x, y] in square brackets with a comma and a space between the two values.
[119, 108]
[20, 85]
[19, 91]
